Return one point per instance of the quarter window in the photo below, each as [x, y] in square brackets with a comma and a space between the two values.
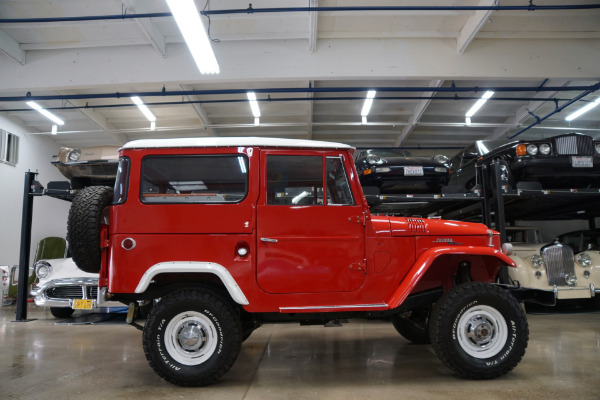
[194, 179]
[338, 187]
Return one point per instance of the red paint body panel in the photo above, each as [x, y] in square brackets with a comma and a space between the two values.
[316, 258]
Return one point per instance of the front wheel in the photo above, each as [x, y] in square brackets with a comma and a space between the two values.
[192, 337]
[479, 330]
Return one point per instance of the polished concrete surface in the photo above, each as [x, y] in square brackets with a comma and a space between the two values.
[361, 360]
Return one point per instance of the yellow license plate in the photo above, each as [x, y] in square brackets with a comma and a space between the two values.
[82, 304]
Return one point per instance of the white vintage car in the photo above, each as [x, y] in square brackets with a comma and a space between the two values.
[554, 267]
[88, 166]
[65, 288]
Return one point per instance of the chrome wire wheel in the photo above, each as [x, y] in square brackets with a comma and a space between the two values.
[482, 331]
[191, 338]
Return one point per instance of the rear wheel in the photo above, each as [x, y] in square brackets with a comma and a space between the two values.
[479, 330]
[192, 337]
[414, 326]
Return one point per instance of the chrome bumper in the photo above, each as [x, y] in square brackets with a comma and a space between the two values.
[67, 291]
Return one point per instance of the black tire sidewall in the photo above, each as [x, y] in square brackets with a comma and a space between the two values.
[228, 336]
[61, 312]
[444, 324]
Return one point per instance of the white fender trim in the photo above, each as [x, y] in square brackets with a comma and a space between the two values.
[193, 266]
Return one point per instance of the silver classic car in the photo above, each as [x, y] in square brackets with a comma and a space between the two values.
[554, 267]
[88, 166]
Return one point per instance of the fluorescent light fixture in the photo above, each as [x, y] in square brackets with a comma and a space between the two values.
[152, 125]
[54, 129]
[468, 121]
[368, 103]
[253, 104]
[479, 103]
[256, 121]
[582, 110]
[45, 113]
[364, 120]
[147, 113]
[190, 24]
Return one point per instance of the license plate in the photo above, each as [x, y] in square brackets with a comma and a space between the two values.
[413, 171]
[582, 162]
[82, 304]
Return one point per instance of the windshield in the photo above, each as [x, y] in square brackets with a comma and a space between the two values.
[388, 153]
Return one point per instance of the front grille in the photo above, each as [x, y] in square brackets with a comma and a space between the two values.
[575, 145]
[66, 292]
[559, 262]
[417, 225]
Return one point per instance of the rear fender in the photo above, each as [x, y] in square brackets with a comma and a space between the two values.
[421, 266]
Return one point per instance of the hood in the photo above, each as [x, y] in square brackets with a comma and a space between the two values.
[401, 226]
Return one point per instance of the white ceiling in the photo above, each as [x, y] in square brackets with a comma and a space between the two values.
[281, 55]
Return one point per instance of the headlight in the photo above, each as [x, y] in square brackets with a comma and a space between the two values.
[571, 279]
[43, 269]
[442, 159]
[597, 147]
[440, 169]
[373, 160]
[74, 155]
[536, 260]
[584, 259]
[532, 149]
[545, 149]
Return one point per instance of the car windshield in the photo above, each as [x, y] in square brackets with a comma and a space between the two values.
[531, 236]
[389, 153]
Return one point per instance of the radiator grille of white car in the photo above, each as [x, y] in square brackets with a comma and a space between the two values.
[559, 263]
[72, 292]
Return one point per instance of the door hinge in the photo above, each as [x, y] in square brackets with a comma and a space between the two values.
[357, 219]
[359, 266]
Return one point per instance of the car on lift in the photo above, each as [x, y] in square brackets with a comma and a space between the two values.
[569, 161]
[88, 166]
[566, 268]
[392, 171]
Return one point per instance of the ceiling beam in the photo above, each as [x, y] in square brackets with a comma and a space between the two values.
[11, 48]
[525, 111]
[417, 113]
[200, 112]
[474, 24]
[151, 31]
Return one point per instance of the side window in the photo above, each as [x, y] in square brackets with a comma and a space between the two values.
[294, 180]
[338, 187]
[122, 181]
[194, 179]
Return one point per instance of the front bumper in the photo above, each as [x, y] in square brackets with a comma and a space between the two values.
[97, 169]
[549, 297]
[61, 292]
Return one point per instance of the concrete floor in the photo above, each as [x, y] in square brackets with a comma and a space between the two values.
[361, 360]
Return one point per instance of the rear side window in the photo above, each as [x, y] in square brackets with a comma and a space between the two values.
[194, 179]
[122, 181]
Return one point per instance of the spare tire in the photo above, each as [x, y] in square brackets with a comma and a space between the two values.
[83, 226]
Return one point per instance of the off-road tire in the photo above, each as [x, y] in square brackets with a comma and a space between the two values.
[83, 226]
[498, 334]
[414, 328]
[61, 312]
[192, 337]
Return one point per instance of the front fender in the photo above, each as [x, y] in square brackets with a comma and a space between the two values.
[423, 263]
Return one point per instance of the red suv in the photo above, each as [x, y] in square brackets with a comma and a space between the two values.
[225, 234]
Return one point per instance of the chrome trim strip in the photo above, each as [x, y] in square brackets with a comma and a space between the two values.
[341, 307]
[173, 267]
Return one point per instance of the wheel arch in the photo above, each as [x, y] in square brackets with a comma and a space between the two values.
[196, 269]
[435, 258]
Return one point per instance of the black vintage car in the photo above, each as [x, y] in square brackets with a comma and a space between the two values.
[570, 161]
[396, 171]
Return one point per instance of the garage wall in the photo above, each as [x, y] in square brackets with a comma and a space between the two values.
[49, 215]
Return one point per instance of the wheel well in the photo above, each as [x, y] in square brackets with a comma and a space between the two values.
[451, 269]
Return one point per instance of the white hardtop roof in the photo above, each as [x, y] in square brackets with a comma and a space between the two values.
[232, 142]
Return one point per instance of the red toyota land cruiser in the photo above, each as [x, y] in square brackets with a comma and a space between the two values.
[225, 234]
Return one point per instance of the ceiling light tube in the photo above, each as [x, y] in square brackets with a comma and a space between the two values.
[253, 104]
[582, 110]
[364, 120]
[147, 113]
[45, 113]
[54, 129]
[479, 103]
[256, 121]
[190, 24]
[468, 121]
[368, 103]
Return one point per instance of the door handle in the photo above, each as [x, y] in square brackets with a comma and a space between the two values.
[268, 240]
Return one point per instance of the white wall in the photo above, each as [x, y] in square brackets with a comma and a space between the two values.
[49, 214]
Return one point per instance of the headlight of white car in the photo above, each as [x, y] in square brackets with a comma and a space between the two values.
[74, 155]
[43, 269]
[584, 259]
[537, 261]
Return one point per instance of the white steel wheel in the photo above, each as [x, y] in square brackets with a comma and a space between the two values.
[191, 338]
[482, 331]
